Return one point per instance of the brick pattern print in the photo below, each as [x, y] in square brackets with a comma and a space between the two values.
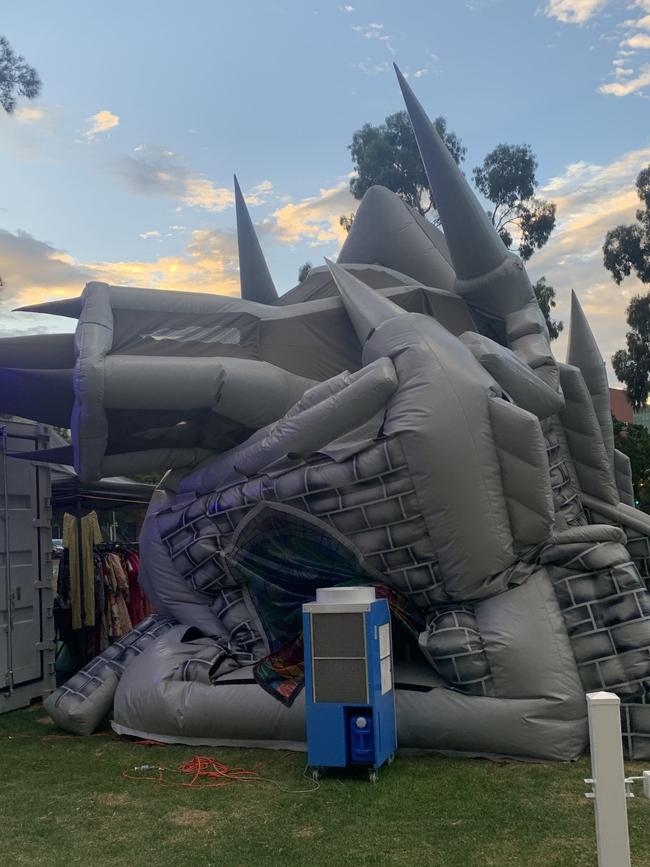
[453, 645]
[603, 594]
[369, 498]
[115, 659]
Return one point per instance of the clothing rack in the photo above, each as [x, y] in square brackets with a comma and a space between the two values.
[108, 622]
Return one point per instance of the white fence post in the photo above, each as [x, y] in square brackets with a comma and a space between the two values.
[608, 781]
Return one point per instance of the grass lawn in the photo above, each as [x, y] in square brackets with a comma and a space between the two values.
[63, 800]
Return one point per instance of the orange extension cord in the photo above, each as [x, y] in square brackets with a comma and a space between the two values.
[207, 773]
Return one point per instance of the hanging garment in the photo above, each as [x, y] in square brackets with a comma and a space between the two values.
[137, 601]
[90, 535]
[121, 582]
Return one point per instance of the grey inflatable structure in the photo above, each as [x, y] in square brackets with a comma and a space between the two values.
[399, 419]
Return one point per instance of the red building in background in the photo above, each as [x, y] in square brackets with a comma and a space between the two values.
[621, 406]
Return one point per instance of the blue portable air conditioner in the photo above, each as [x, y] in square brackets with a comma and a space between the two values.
[350, 696]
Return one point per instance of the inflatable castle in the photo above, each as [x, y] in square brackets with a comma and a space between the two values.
[397, 420]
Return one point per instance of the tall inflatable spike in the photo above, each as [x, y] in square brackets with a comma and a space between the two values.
[474, 245]
[254, 275]
[583, 352]
[365, 306]
[488, 276]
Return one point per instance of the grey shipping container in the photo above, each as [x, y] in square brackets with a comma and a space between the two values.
[26, 619]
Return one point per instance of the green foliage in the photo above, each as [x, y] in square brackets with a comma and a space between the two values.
[634, 441]
[536, 219]
[627, 248]
[346, 221]
[507, 175]
[63, 432]
[506, 178]
[303, 272]
[388, 154]
[632, 365]
[17, 77]
[545, 295]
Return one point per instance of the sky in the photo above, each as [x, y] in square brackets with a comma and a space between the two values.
[122, 169]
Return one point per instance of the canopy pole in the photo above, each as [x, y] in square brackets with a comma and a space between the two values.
[9, 595]
[80, 572]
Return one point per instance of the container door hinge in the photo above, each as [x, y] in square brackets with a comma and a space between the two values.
[45, 645]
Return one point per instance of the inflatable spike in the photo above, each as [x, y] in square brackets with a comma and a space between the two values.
[474, 244]
[583, 352]
[62, 455]
[254, 275]
[69, 307]
[364, 306]
[488, 276]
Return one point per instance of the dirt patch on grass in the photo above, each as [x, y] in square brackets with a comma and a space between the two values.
[115, 799]
[45, 721]
[184, 818]
[305, 833]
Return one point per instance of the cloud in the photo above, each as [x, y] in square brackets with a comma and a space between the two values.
[375, 30]
[259, 194]
[347, 8]
[29, 114]
[591, 199]
[34, 271]
[638, 41]
[369, 68]
[35, 132]
[202, 193]
[208, 264]
[100, 123]
[22, 324]
[573, 11]
[628, 47]
[154, 171]
[632, 85]
[152, 233]
[314, 220]
[33, 268]
[430, 67]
